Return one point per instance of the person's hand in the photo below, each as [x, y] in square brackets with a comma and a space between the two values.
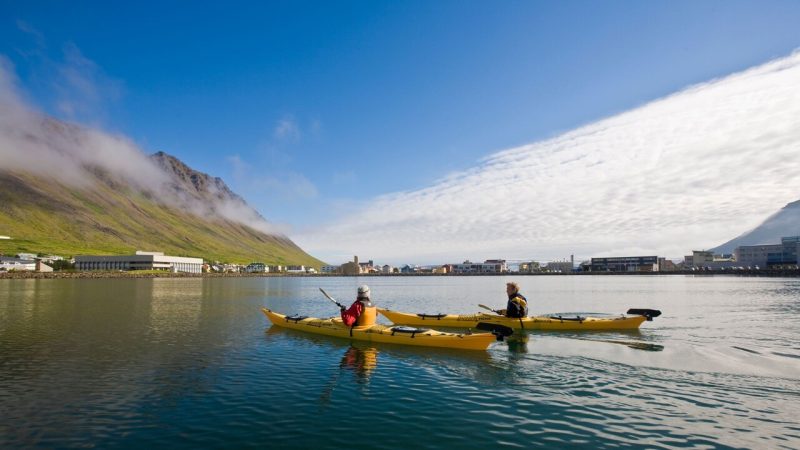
[343, 308]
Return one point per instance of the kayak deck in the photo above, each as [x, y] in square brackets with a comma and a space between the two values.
[540, 323]
[382, 333]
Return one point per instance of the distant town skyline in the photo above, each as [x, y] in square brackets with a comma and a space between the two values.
[428, 132]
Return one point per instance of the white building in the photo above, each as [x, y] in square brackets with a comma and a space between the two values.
[51, 258]
[256, 267]
[500, 264]
[489, 266]
[16, 264]
[140, 261]
[295, 269]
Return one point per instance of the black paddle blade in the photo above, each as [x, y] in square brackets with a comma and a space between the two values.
[500, 331]
[647, 313]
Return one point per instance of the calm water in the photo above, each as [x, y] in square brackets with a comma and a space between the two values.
[188, 363]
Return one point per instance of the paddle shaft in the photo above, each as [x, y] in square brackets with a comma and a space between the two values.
[330, 298]
[490, 309]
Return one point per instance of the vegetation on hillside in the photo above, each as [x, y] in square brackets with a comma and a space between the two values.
[44, 216]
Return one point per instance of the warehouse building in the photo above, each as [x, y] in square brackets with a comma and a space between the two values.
[625, 264]
[769, 255]
[140, 261]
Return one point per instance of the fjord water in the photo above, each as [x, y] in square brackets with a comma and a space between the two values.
[189, 363]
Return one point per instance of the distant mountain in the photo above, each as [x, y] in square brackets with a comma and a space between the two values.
[183, 213]
[785, 222]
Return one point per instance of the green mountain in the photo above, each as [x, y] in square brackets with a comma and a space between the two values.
[170, 208]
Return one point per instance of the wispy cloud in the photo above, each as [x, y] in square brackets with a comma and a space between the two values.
[346, 177]
[78, 88]
[27, 28]
[84, 90]
[287, 185]
[688, 171]
[287, 129]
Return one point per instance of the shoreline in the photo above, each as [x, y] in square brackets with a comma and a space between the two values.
[27, 275]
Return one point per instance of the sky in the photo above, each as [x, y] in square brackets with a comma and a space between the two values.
[432, 132]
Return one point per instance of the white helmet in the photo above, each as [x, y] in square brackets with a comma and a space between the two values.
[363, 291]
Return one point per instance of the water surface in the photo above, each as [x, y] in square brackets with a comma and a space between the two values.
[187, 363]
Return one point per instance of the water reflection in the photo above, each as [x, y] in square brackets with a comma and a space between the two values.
[362, 361]
[176, 307]
[518, 342]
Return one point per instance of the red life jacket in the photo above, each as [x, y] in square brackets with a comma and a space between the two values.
[352, 314]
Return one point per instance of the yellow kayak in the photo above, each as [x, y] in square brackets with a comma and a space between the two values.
[405, 335]
[540, 323]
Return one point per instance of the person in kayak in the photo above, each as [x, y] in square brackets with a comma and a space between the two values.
[517, 303]
[355, 315]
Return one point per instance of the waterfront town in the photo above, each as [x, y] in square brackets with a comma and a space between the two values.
[783, 255]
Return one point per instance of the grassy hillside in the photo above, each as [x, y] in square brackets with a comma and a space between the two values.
[43, 216]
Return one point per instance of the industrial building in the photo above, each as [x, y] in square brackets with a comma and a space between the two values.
[769, 255]
[140, 261]
[625, 264]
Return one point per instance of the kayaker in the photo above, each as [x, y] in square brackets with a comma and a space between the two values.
[356, 311]
[517, 303]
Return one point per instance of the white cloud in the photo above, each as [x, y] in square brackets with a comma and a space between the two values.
[691, 170]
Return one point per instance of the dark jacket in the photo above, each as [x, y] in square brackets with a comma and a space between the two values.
[517, 306]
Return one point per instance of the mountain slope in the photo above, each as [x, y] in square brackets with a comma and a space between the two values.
[785, 222]
[110, 216]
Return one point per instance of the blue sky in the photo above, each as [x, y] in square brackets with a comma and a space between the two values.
[311, 110]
